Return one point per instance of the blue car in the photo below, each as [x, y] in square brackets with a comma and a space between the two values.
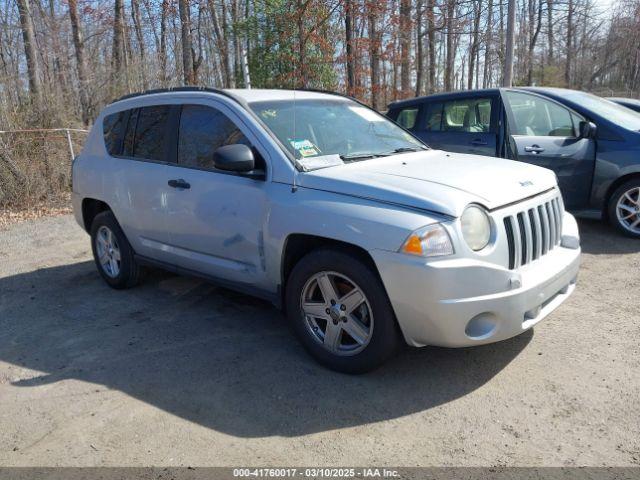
[592, 144]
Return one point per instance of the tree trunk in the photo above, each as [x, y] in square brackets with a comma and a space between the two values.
[431, 37]
[507, 76]
[29, 41]
[405, 47]
[477, 10]
[486, 80]
[419, 48]
[221, 41]
[450, 60]
[163, 42]
[550, 31]
[118, 41]
[187, 44]
[374, 56]
[569, 52]
[135, 15]
[81, 66]
[348, 37]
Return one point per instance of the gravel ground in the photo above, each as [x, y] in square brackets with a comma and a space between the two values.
[178, 372]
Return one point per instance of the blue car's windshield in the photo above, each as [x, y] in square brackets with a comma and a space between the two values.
[613, 112]
[315, 128]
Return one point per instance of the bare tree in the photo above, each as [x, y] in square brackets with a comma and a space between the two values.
[28, 39]
[81, 67]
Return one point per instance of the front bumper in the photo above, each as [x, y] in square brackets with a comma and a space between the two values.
[461, 302]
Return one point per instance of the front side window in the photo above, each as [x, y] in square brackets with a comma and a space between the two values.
[536, 116]
[330, 127]
[407, 117]
[467, 115]
[203, 130]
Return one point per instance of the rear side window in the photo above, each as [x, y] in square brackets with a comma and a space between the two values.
[112, 127]
[467, 115]
[202, 130]
[151, 132]
[407, 117]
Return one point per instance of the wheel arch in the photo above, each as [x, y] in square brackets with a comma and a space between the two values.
[90, 208]
[297, 245]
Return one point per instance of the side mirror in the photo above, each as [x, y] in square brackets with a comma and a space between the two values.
[234, 158]
[587, 129]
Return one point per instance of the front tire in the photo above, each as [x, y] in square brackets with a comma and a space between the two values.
[339, 309]
[112, 252]
[624, 208]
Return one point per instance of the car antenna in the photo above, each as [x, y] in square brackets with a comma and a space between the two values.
[294, 187]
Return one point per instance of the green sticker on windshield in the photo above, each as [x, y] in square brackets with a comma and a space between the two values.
[305, 148]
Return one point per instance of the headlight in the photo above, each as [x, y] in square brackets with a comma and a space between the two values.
[476, 227]
[429, 241]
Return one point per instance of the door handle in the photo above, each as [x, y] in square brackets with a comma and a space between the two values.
[478, 142]
[534, 149]
[180, 183]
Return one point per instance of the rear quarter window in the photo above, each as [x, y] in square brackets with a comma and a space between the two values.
[112, 126]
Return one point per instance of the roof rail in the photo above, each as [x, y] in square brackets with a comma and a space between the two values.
[184, 88]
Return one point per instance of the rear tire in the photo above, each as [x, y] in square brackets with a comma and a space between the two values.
[349, 325]
[112, 252]
[624, 208]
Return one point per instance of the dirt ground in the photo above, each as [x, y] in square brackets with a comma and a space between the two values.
[178, 372]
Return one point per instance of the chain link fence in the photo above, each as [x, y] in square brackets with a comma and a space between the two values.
[35, 167]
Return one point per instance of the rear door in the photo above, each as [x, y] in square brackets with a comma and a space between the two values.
[461, 124]
[545, 133]
[137, 186]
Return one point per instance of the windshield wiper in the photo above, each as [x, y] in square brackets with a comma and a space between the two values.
[407, 149]
[350, 157]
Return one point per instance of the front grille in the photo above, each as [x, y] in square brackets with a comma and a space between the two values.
[534, 232]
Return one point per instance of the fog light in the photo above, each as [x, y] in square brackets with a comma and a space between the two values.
[570, 241]
[481, 326]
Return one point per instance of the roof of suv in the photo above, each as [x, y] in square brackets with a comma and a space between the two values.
[244, 95]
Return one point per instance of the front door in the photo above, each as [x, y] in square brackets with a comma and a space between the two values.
[545, 133]
[215, 219]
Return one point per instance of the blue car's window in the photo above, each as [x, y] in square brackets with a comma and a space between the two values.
[434, 117]
[320, 128]
[407, 117]
[536, 116]
[613, 112]
[467, 115]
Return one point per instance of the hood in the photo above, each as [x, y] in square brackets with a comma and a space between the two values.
[434, 180]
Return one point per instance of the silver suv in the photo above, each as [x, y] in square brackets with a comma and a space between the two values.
[361, 233]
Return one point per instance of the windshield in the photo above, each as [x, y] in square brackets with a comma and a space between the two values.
[325, 128]
[623, 116]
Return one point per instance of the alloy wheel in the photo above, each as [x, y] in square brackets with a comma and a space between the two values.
[628, 210]
[337, 313]
[108, 251]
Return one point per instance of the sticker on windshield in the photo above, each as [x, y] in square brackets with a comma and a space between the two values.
[367, 114]
[305, 148]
